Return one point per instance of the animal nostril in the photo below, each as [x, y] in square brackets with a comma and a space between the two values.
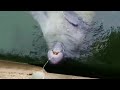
[55, 53]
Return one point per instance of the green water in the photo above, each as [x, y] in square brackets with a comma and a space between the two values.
[16, 31]
[22, 41]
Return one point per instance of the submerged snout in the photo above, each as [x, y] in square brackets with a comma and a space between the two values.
[55, 55]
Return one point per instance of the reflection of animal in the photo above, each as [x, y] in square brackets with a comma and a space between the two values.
[64, 32]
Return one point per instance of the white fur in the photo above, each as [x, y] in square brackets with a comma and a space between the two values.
[56, 28]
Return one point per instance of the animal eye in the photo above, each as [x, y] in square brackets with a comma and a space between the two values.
[71, 17]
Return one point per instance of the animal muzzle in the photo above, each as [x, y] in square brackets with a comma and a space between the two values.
[55, 57]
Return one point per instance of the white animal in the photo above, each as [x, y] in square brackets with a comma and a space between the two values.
[64, 32]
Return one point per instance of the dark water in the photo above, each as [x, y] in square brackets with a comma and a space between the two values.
[21, 36]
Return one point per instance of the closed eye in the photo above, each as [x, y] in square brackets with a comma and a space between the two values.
[71, 17]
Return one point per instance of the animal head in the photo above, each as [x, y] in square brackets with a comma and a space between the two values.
[68, 28]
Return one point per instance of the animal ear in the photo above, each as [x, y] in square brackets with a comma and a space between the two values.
[71, 17]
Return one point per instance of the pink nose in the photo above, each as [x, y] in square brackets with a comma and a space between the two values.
[55, 57]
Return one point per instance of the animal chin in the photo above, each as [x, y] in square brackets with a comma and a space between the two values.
[56, 59]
